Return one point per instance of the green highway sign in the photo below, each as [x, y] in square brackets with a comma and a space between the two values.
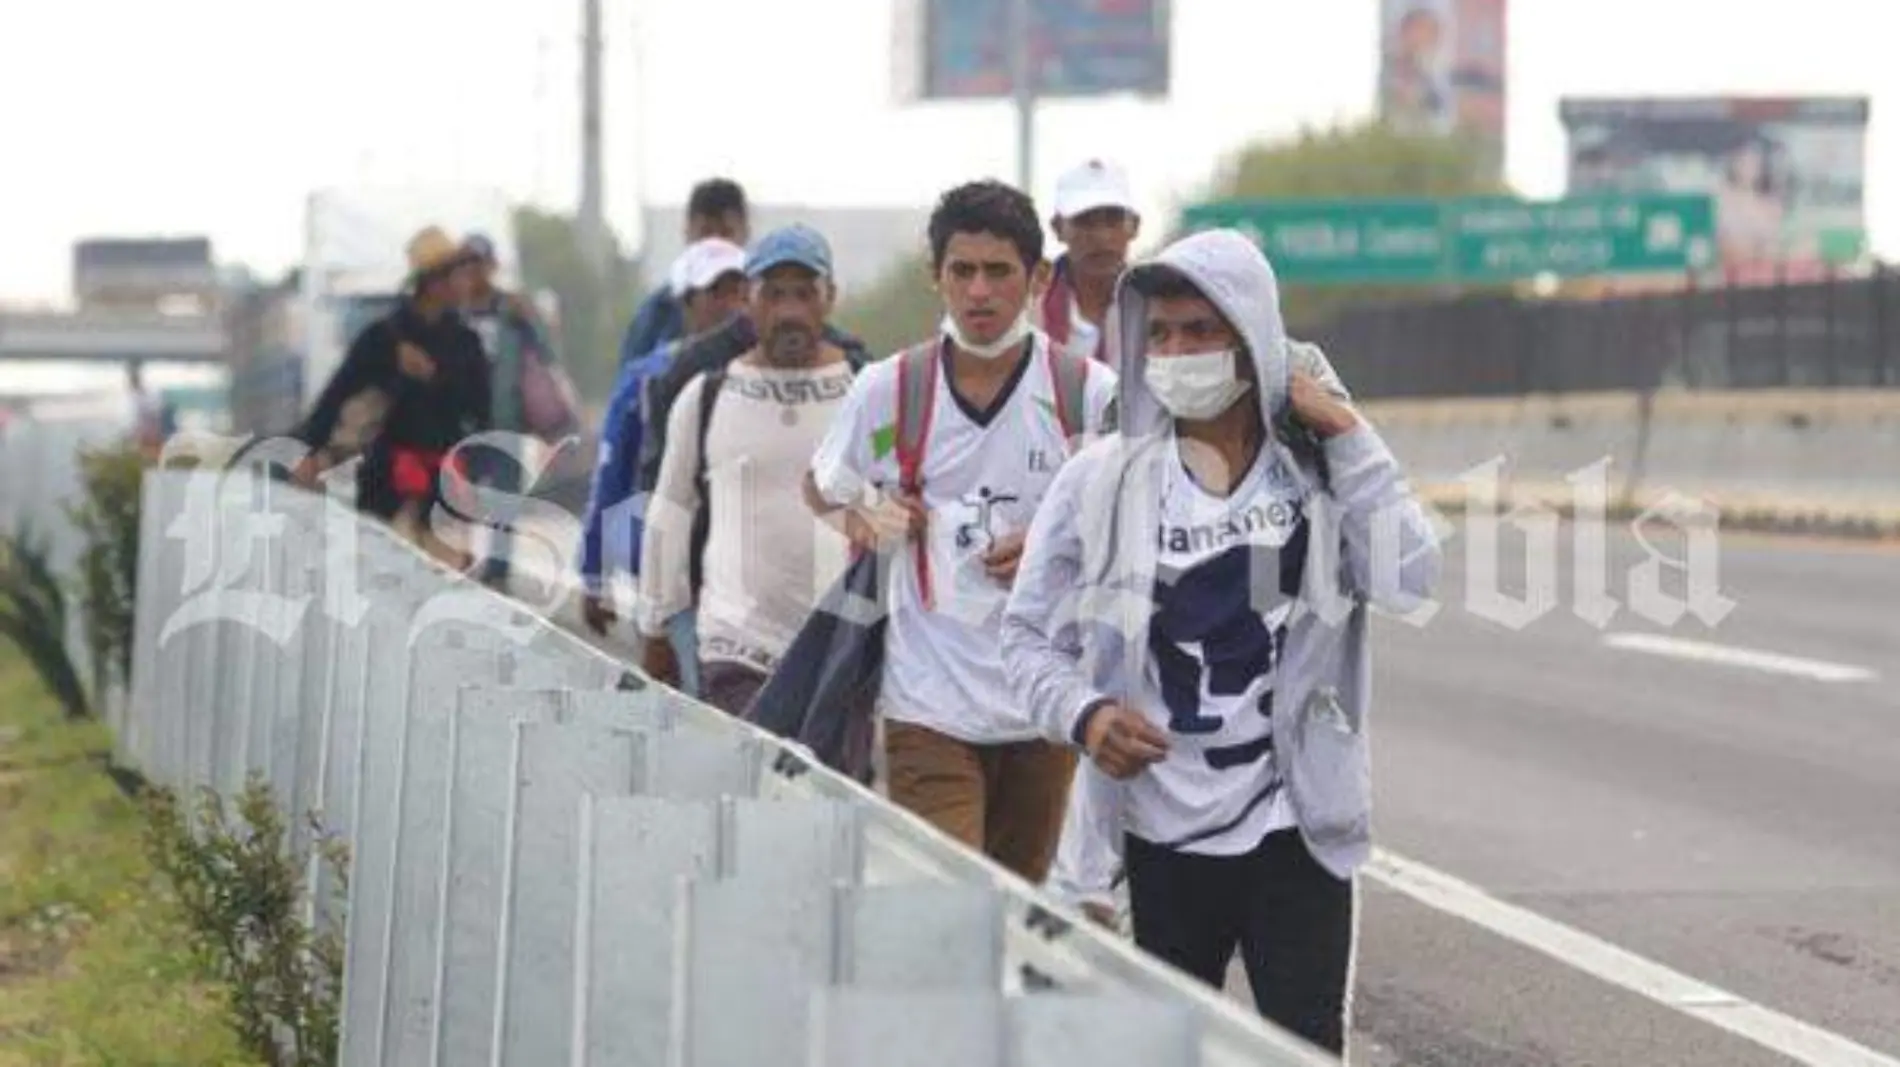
[1478, 239]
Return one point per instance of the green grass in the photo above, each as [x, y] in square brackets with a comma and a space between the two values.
[95, 965]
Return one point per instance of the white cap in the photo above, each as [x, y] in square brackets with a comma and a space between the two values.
[705, 262]
[1095, 184]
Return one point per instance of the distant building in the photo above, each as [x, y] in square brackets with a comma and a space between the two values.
[866, 242]
[143, 273]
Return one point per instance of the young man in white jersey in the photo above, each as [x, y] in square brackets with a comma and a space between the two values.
[738, 442]
[951, 446]
[1192, 612]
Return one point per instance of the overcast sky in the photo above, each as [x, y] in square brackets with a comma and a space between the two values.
[217, 116]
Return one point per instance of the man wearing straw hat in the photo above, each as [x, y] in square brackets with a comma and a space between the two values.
[413, 385]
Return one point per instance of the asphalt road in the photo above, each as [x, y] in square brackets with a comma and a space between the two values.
[1737, 825]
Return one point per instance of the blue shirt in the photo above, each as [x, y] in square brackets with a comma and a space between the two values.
[611, 524]
[658, 321]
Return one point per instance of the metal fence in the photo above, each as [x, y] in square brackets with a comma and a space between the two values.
[555, 863]
[1834, 333]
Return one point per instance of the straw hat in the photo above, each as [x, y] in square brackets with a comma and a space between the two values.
[432, 251]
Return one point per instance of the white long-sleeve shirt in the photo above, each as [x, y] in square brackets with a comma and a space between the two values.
[767, 559]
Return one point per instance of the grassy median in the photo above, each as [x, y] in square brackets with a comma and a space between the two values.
[95, 963]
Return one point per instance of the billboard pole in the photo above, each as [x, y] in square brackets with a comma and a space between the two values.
[592, 214]
[1022, 80]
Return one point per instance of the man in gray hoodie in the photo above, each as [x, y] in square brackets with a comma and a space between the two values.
[1192, 611]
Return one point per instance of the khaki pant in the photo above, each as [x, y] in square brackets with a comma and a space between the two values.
[1005, 800]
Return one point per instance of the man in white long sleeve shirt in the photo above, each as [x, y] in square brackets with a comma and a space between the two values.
[1191, 611]
[738, 442]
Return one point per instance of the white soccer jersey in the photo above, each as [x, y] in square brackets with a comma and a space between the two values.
[984, 473]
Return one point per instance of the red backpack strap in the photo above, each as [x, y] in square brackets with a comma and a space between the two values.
[1069, 381]
[917, 369]
[1055, 308]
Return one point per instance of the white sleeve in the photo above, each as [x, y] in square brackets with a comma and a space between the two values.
[854, 446]
[666, 548]
[1042, 646]
[1090, 853]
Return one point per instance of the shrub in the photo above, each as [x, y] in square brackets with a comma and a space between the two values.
[33, 617]
[243, 894]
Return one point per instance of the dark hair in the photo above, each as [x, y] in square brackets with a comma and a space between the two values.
[987, 207]
[1158, 281]
[715, 197]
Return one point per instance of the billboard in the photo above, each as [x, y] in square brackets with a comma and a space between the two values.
[1442, 70]
[960, 49]
[1786, 174]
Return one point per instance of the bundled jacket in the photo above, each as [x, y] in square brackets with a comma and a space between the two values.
[509, 333]
[1076, 627]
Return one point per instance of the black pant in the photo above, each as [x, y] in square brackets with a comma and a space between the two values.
[1290, 918]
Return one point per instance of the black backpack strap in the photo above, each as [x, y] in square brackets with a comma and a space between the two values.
[711, 385]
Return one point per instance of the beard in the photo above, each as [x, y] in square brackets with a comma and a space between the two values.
[790, 345]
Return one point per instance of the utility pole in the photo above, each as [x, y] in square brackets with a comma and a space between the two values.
[592, 216]
[1022, 76]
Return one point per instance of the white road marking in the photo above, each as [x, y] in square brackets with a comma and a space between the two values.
[1803, 1042]
[1732, 656]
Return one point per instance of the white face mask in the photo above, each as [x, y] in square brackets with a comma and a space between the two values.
[995, 349]
[1195, 387]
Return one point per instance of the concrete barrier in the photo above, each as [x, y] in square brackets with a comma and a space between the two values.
[1811, 460]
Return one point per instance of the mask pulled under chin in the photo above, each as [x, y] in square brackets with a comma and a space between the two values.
[995, 349]
[1196, 387]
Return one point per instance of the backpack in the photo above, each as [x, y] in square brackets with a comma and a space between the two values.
[917, 369]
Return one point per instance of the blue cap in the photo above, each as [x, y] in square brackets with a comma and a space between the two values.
[479, 246]
[798, 244]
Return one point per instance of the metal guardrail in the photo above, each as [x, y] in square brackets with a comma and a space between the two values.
[555, 862]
